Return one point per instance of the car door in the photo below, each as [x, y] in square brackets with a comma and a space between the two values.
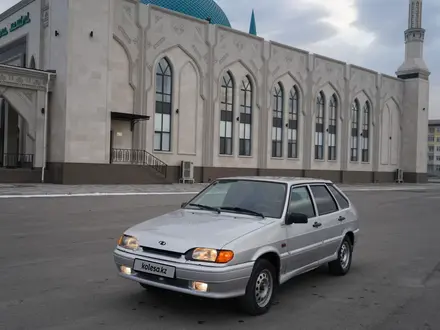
[329, 218]
[304, 241]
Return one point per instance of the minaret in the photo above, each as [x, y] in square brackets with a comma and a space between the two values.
[415, 101]
[253, 25]
[414, 64]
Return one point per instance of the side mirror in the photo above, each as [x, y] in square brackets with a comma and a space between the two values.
[297, 218]
[183, 205]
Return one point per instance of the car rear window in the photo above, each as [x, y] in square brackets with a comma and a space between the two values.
[323, 199]
[342, 201]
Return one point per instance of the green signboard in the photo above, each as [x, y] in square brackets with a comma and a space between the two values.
[22, 21]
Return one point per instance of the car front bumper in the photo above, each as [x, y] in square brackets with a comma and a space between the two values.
[223, 282]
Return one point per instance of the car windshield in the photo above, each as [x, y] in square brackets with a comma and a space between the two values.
[258, 198]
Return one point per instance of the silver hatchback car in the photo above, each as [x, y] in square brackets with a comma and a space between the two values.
[243, 237]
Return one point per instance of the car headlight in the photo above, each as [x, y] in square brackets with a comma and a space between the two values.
[128, 242]
[211, 255]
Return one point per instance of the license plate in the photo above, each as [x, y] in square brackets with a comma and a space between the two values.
[154, 268]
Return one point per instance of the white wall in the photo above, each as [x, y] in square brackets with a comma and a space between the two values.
[390, 135]
[186, 42]
[122, 93]
[56, 58]
[115, 71]
[183, 42]
[87, 115]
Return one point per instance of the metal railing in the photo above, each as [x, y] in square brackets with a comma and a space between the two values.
[138, 157]
[17, 161]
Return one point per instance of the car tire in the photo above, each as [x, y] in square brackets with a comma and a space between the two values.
[341, 266]
[260, 289]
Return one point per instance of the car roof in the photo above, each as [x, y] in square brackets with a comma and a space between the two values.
[278, 179]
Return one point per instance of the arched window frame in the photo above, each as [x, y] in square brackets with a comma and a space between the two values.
[365, 138]
[354, 138]
[246, 109]
[319, 126]
[163, 111]
[227, 114]
[332, 128]
[292, 129]
[277, 120]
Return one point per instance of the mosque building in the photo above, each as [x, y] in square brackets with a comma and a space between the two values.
[155, 91]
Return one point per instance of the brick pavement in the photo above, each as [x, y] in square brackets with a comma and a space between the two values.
[50, 189]
[20, 189]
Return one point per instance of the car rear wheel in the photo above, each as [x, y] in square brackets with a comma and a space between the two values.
[342, 265]
[260, 289]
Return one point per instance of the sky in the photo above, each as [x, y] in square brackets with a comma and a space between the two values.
[367, 33]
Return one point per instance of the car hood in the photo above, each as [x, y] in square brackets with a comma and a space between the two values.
[183, 230]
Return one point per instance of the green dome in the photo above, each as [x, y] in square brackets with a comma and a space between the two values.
[202, 9]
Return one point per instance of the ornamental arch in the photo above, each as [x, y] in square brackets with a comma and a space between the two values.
[22, 111]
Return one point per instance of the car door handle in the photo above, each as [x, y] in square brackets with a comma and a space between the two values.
[341, 218]
[317, 224]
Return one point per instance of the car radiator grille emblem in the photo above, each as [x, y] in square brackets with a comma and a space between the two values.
[162, 243]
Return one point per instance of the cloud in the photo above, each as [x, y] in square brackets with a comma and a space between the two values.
[363, 32]
[277, 21]
[388, 24]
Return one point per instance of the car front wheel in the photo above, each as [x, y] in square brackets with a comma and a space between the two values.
[260, 289]
[342, 265]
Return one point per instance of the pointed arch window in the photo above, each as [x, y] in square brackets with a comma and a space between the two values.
[162, 118]
[277, 121]
[354, 157]
[332, 128]
[292, 132]
[226, 114]
[366, 133]
[319, 126]
[245, 118]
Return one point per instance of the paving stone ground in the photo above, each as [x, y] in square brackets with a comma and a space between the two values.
[52, 189]
[57, 270]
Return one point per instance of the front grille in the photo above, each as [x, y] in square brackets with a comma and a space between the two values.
[165, 253]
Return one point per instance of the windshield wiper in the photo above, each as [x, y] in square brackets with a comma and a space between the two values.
[242, 210]
[206, 207]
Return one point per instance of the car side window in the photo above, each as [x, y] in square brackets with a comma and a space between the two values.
[342, 201]
[323, 199]
[301, 202]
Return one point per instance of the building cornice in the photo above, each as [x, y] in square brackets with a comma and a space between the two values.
[415, 34]
[11, 76]
[413, 74]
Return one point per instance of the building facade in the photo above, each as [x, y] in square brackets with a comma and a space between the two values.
[434, 147]
[140, 88]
